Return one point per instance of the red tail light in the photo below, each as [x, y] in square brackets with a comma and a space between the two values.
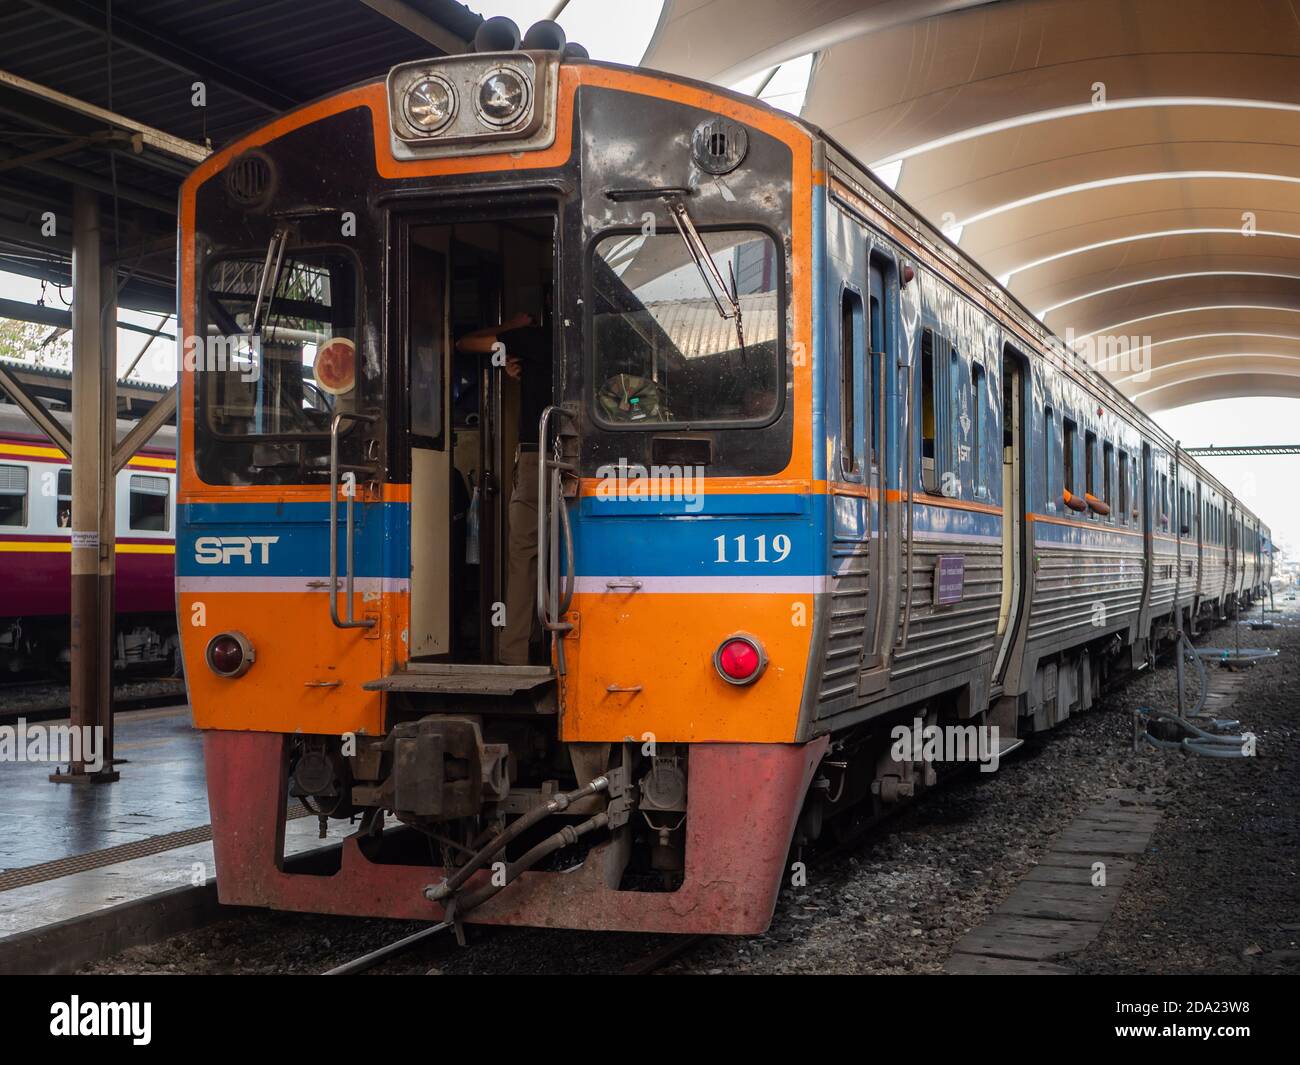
[229, 654]
[740, 659]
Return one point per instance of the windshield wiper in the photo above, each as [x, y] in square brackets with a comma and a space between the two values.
[704, 263]
[270, 279]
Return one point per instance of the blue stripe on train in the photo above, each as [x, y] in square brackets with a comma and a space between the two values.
[301, 544]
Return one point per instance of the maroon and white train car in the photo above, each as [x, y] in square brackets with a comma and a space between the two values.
[36, 550]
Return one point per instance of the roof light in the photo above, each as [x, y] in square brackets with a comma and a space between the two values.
[430, 104]
[502, 96]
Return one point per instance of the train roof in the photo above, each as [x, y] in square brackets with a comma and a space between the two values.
[901, 212]
[14, 422]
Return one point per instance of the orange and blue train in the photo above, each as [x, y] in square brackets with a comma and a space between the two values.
[777, 469]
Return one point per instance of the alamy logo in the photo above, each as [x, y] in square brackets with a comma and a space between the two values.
[218, 550]
[632, 482]
[134, 1019]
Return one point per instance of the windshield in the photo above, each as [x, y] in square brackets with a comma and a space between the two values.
[664, 351]
[278, 359]
[300, 365]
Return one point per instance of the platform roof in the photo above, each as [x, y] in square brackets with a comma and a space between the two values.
[76, 89]
[1129, 168]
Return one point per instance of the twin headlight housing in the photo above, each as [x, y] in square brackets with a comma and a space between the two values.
[462, 104]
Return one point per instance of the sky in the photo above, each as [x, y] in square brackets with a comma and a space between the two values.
[1265, 484]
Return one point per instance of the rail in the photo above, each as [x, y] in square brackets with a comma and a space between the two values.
[552, 523]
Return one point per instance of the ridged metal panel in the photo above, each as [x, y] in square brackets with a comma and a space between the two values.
[949, 639]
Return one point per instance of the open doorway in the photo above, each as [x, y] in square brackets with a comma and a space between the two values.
[1013, 508]
[477, 348]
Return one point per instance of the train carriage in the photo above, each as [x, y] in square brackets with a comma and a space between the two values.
[36, 552]
[797, 472]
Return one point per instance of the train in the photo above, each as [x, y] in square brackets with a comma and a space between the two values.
[796, 473]
[36, 552]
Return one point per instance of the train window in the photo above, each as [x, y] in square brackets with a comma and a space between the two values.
[929, 416]
[1107, 485]
[851, 372]
[1067, 452]
[958, 409]
[1123, 487]
[876, 354]
[669, 348]
[150, 497]
[13, 496]
[1049, 455]
[274, 383]
[979, 429]
[64, 501]
[1090, 463]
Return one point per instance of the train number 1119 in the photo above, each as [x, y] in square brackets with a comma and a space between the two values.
[780, 548]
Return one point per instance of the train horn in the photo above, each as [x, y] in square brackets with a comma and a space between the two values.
[573, 50]
[497, 34]
[545, 36]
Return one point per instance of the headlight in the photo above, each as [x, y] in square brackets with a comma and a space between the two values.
[430, 104]
[502, 96]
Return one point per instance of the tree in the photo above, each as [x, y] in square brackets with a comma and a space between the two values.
[42, 345]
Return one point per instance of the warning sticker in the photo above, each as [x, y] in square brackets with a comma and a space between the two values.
[85, 539]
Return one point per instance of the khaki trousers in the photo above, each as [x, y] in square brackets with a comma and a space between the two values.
[521, 568]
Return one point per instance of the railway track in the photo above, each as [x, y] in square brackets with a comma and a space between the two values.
[45, 700]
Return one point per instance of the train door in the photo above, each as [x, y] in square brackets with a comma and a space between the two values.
[876, 442]
[1148, 505]
[1014, 578]
[473, 345]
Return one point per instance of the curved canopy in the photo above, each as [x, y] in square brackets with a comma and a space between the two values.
[1127, 169]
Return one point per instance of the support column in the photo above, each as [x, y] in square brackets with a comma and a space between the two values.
[94, 557]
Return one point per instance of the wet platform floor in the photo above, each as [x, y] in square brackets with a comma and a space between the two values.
[162, 789]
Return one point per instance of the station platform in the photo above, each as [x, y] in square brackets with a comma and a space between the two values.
[87, 869]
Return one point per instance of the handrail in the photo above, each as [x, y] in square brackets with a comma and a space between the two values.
[553, 518]
[349, 622]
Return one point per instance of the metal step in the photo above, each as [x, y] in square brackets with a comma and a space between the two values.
[454, 678]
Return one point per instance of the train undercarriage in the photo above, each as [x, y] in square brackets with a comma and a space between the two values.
[39, 647]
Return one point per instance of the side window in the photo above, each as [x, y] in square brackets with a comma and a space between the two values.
[1049, 457]
[1123, 487]
[1107, 486]
[64, 500]
[929, 416]
[1071, 431]
[958, 401]
[13, 496]
[1090, 463]
[851, 365]
[877, 354]
[149, 503]
[979, 379]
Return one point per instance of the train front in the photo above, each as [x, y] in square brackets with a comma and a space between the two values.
[496, 546]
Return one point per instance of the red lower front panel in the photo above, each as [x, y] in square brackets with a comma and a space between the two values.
[744, 799]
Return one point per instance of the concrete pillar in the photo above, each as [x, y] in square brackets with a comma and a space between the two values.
[94, 561]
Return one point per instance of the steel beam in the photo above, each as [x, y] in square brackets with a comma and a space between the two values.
[402, 14]
[1244, 450]
[153, 138]
[150, 422]
[58, 317]
[94, 431]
